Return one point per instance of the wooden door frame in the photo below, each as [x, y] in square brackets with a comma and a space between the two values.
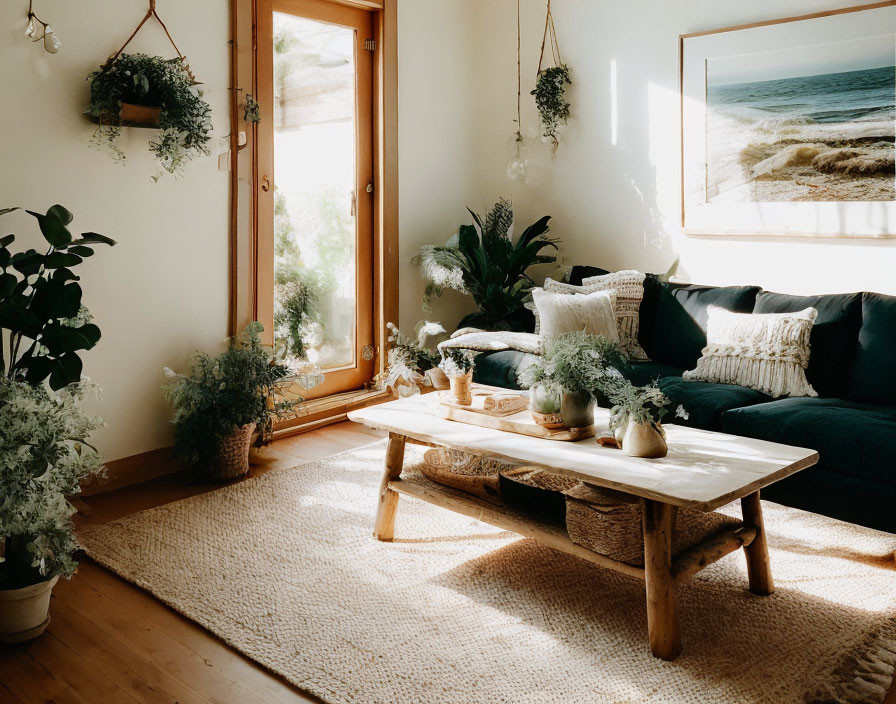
[244, 182]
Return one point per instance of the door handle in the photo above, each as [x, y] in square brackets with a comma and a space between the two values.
[265, 184]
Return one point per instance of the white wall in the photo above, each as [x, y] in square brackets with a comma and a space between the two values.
[162, 291]
[438, 164]
[617, 205]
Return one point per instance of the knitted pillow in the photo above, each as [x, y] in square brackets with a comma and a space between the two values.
[562, 313]
[629, 286]
[765, 352]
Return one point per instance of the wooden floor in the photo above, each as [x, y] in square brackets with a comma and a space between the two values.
[109, 641]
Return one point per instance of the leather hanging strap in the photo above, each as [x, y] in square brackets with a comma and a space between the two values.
[151, 12]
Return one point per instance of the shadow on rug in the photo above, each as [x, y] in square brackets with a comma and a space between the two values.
[285, 569]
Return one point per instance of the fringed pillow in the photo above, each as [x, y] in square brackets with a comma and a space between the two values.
[765, 352]
[629, 287]
[561, 313]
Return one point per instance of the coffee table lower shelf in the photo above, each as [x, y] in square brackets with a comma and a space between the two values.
[660, 572]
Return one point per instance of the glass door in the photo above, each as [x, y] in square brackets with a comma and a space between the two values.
[315, 262]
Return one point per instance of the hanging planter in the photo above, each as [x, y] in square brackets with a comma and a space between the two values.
[550, 87]
[136, 90]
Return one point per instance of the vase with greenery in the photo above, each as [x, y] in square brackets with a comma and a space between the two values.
[457, 365]
[222, 401]
[411, 361]
[636, 415]
[184, 118]
[550, 99]
[44, 448]
[485, 261]
[571, 374]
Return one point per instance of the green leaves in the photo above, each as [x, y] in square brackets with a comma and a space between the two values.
[40, 303]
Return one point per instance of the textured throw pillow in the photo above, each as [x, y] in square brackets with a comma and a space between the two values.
[561, 313]
[629, 287]
[765, 352]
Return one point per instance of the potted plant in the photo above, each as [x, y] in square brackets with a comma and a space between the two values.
[222, 401]
[570, 376]
[636, 415]
[484, 261]
[457, 364]
[44, 453]
[150, 91]
[412, 362]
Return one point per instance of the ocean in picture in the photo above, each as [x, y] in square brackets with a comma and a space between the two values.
[804, 124]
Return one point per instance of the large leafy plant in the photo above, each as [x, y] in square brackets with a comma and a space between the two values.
[44, 455]
[44, 324]
[244, 384]
[485, 261]
[185, 120]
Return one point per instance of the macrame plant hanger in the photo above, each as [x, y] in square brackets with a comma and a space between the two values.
[549, 31]
[151, 12]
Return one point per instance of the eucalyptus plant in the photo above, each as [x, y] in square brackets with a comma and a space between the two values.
[185, 121]
[42, 320]
[484, 261]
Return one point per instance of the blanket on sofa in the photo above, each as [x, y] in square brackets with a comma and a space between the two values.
[479, 340]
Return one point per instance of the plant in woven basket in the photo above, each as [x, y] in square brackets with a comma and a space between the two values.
[185, 118]
[409, 358]
[484, 261]
[456, 361]
[219, 395]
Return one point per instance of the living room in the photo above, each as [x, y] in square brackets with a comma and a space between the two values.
[578, 281]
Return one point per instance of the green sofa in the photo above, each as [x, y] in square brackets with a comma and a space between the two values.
[852, 423]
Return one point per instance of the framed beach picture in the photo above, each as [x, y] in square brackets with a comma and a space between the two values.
[788, 126]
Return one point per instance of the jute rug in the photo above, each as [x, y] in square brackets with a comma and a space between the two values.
[285, 569]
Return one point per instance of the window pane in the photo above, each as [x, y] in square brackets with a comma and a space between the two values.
[314, 199]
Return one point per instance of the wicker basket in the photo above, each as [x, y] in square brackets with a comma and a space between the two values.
[232, 459]
[461, 470]
[609, 522]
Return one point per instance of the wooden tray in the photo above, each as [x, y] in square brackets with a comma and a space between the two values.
[446, 398]
[521, 422]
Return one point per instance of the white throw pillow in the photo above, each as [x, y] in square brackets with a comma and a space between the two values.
[629, 287]
[768, 352]
[561, 313]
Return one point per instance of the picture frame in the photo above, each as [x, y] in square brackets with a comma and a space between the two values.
[788, 126]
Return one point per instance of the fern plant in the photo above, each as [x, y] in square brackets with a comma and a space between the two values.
[484, 261]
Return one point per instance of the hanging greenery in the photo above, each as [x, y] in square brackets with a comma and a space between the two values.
[550, 86]
[167, 84]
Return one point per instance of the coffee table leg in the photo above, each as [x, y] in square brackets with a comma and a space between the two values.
[384, 528]
[758, 565]
[662, 612]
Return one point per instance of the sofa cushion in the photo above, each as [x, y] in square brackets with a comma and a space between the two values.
[874, 372]
[642, 373]
[705, 402]
[851, 438]
[502, 368]
[577, 273]
[834, 337]
[674, 316]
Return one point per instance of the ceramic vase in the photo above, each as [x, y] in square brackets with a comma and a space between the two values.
[577, 409]
[644, 440]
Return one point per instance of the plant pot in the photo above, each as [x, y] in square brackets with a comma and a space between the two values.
[24, 613]
[232, 459]
[577, 409]
[644, 440]
[461, 388]
[142, 115]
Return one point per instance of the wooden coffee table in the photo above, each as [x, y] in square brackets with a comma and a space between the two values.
[703, 471]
